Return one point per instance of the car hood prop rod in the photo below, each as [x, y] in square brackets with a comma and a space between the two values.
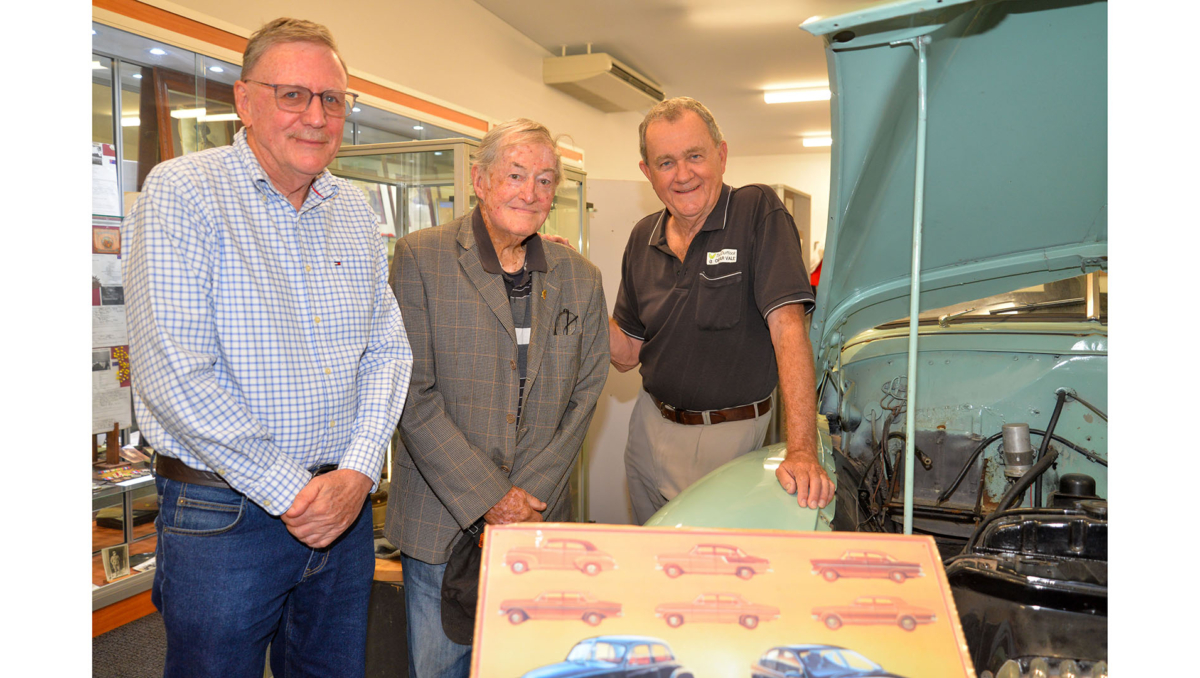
[919, 43]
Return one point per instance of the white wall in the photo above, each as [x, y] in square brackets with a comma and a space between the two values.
[618, 206]
[807, 172]
[455, 51]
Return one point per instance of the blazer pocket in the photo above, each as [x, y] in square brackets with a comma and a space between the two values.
[564, 350]
[720, 301]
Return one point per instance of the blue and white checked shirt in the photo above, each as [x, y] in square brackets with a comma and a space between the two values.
[263, 341]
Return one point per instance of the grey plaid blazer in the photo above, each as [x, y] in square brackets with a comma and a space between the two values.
[461, 450]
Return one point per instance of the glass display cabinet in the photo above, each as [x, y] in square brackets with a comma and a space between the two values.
[421, 184]
[122, 522]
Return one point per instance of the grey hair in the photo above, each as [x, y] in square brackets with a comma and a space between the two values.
[516, 132]
[671, 110]
[284, 30]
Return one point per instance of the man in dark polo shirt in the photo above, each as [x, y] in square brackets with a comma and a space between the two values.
[712, 302]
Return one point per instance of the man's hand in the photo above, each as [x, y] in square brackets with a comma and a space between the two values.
[517, 506]
[558, 239]
[326, 506]
[624, 351]
[800, 474]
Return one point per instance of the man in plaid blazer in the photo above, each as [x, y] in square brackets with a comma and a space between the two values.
[510, 345]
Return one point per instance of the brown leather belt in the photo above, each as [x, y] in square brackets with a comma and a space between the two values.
[173, 469]
[695, 417]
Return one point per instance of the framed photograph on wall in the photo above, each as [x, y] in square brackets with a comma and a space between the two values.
[379, 197]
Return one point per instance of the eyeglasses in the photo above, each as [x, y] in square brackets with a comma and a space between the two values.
[295, 99]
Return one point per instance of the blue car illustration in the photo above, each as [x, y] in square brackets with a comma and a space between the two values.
[624, 656]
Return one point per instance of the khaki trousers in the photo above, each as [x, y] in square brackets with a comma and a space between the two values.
[663, 458]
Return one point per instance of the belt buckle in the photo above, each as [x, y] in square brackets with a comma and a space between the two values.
[667, 408]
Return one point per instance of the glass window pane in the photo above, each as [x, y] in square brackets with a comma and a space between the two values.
[102, 102]
[370, 135]
[136, 139]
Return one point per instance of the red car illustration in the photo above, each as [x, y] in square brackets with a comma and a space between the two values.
[717, 607]
[866, 564]
[712, 559]
[560, 605]
[874, 610]
[559, 554]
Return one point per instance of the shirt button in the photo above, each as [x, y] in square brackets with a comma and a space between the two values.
[513, 363]
[317, 319]
[307, 268]
[504, 469]
[332, 424]
[511, 418]
[328, 371]
[267, 503]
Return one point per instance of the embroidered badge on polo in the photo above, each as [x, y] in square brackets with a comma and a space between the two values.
[722, 257]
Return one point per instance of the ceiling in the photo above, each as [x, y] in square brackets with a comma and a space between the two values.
[720, 52]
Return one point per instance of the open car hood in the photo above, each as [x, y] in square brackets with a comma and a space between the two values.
[1016, 154]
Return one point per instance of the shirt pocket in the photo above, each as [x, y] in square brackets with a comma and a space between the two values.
[720, 301]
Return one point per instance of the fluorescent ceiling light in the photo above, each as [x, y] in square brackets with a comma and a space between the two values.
[216, 69]
[97, 66]
[131, 121]
[787, 96]
[137, 76]
[188, 113]
[220, 117]
[158, 51]
[356, 109]
[418, 127]
[817, 141]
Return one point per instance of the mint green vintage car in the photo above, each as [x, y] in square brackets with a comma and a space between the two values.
[974, 134]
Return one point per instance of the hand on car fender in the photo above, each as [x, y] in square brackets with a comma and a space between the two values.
[516, 506]
[326, 506]
[800, 474]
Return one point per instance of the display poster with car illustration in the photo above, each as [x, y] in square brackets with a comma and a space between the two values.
[563, 599]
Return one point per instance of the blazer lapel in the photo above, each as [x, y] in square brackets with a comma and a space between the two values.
[542, 323]
[490, 287]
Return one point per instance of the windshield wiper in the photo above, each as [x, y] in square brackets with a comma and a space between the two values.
[1039, 305]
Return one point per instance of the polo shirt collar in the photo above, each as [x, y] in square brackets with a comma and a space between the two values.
[715, 221]
[322, 188]
[535, 255]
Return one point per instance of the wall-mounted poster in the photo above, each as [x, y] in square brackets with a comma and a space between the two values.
[564, 599]
[111, 397]
[106, 193]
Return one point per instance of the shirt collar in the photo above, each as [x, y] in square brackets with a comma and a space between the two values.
[535, 255]
[714, 222]
[323, 187]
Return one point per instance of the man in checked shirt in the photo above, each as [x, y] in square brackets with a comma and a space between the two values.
[270, 366]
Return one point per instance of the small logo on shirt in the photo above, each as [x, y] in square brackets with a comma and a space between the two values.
[722, 257]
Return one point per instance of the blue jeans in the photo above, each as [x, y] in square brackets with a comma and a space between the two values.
[230, 579]
[430, 653]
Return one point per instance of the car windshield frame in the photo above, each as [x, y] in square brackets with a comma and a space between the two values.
[1078, 298]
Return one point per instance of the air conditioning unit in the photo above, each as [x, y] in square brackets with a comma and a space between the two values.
[601, 81]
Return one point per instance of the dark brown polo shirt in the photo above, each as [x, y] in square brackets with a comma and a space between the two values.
[703, 320]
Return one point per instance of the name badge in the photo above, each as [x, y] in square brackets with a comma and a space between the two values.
[722, 257]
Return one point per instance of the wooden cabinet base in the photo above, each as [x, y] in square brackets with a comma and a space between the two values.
[120, 613]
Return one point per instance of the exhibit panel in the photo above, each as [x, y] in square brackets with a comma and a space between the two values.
[607, 600]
